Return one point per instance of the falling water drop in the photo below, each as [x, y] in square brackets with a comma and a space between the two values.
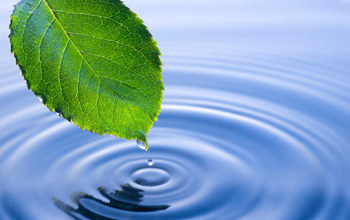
[141, 145]
[150, 162]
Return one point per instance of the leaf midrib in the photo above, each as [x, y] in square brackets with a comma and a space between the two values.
[70, 39]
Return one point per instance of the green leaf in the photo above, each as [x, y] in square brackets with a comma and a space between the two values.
[93, 61]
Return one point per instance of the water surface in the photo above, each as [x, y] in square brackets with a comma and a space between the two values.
[254, 125]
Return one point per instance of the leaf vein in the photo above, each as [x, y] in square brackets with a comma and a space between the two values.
[97, 16]
[59, 71]
[53, 14]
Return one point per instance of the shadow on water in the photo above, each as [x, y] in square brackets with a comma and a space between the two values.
[127, 199]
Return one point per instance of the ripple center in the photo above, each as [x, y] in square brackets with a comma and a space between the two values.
[150, 176]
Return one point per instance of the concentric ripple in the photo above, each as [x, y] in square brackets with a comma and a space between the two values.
[219, 150]
[247, 131]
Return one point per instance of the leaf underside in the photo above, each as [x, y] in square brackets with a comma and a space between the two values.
[92, 61]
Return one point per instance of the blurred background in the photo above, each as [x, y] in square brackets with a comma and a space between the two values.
[255, 122]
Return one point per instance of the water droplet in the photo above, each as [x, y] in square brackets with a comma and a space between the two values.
[41, 100]
[150, 162]
[141, 145]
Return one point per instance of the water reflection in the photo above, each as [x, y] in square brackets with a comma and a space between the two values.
[128, 199]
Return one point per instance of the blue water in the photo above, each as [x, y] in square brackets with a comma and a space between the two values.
[255, 123]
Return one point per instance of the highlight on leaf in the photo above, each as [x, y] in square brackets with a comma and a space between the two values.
[92, 61]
